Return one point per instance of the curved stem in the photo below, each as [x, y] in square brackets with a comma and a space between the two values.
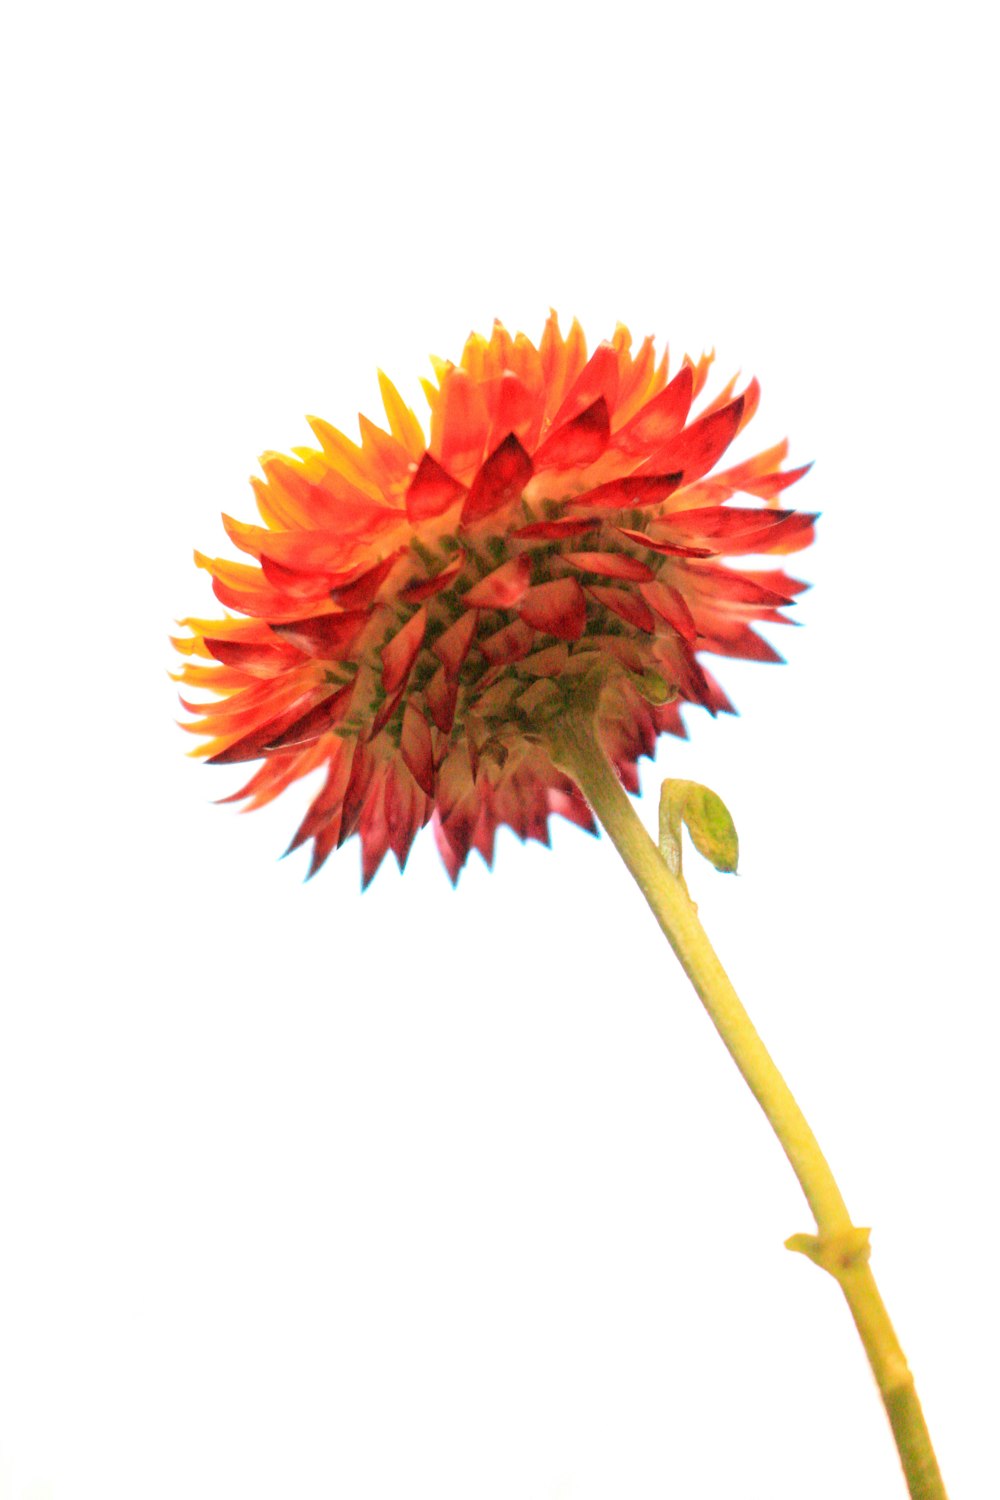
[840, 1247]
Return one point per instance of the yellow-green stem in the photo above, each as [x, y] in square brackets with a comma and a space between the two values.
[839, 1247]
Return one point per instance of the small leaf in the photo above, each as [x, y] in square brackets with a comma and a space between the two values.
[709, 823]
[651, 686]
[836, 1253]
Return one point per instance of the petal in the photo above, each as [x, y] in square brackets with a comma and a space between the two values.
[624, 494]
[327, 637]
[667, 549]
[554, 531]
[626, 605]
[416, 748]
[257, 660]
[578, 442]
[402, 423]
[557, 608]
[452, 647]
[502, 588]
[671, 606]
[318, 721]
[499, 482]
[431, 492]
[441, 696]
[694, 451]
[459, 422]
[610, 564]
[598, 380]
[426, 588]
[399, 654]
[361, 591]
[508, 645]
[660, 418]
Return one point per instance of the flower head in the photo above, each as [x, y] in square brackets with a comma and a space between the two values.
[416, 610]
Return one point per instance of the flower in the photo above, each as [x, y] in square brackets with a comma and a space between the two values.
[415, 609]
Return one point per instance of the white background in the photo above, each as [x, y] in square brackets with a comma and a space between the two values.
[455, 1194]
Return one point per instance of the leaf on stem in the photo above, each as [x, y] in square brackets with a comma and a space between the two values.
[709, 823]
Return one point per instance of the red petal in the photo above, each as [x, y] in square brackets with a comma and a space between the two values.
[500, 481]
[680, 667]
[698, 447]
[502, 588]
[389, 705]
[598, 380]
[318, 721]
[324, 810]
[610, 565]
[252, 746]
[660, 418]
[356, 791]
[622, 494]
[452, 859]
[671, 606]
[717, 585]
[508, 645]
[557, 608]
[668, 549]
[734, 637]
[770, 485]
[426, 588]
[576, 443]
[256, 660]
[416, 749]
[399, 654]
[554, 531]
[432, 491]
[441, 695]
[295, 583]
[568, 803]
[327, 637]
[626, 605]
[361, 590]
[452, 647]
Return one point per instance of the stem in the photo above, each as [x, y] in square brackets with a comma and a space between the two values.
[840, 1247]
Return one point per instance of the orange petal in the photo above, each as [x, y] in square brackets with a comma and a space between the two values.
[402, 423]
[459, 423]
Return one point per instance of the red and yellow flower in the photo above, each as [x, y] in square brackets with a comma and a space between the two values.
[415, 610]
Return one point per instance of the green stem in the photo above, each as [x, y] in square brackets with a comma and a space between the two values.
[840, 1247]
